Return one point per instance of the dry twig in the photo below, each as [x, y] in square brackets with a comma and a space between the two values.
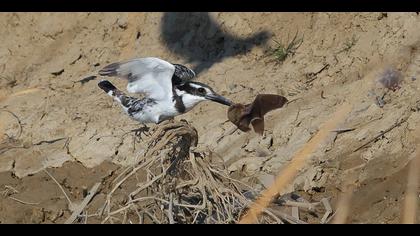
[83, 205]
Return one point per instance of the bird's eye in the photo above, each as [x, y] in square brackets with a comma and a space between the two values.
[201, 90]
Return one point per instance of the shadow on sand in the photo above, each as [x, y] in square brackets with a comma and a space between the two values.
[197, 38]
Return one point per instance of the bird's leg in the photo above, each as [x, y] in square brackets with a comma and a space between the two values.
[142, 130]
[166, 121]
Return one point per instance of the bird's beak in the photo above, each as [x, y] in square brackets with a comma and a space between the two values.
[220, 99]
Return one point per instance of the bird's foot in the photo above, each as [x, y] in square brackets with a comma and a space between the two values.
[142, 130]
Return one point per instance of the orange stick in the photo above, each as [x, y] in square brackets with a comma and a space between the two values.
[296, 164]
[411, 199]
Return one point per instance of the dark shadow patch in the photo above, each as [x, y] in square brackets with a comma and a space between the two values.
[87, 79]
[197, 38]
[57, 73]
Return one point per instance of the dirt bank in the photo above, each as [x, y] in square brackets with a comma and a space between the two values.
[50, 118]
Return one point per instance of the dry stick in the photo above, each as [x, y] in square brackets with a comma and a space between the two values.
[339, 131]
[411, 199]
[120, 210]
[195, 217]
[128, 176]
[25, 91]
[344, 204]
[328, 210]
[221, 205]
[218, 214]
[122, 173]
[170, 216]
[309, 206]
[201, 187]
[272, 215]
[124, 217]
[138, 214]
[10, 96]
[86, 217]
[7, 190]
[288, 218]
[148, 198]
[209, 175]
[297, 162]
[247, 203]
[18, 120]
[231, 179]
[187, 183]
[71, 206]
[295, 212]
[200, 207]
[92, 215]
[106, 219]
[135, 192]
[106, 204]
[23, 202]
[381, 134]
[332, 216]
[153, 217]
[84, 203]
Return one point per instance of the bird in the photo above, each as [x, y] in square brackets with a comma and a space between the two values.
[168, 89]
[244, 115]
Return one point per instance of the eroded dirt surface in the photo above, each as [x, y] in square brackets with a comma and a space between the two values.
[50, 118]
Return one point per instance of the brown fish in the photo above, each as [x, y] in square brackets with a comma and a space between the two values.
[243, 115]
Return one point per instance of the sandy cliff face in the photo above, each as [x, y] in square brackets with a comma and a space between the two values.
[49, 116]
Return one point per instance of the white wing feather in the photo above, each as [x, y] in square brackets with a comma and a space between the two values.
[150, 76]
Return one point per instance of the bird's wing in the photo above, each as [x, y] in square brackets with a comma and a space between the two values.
[183, 72]
[151, 76]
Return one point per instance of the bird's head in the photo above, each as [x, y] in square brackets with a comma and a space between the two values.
[193, 93]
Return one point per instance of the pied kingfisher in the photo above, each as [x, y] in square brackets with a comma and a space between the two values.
[168, 88]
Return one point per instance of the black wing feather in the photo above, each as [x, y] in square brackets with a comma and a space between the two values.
[183, 72]
[110, 70]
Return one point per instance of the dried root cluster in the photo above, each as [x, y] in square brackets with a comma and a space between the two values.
[173, 184]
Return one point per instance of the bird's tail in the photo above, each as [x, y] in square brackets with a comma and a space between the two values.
[125, 101]
[112, 91]
[107, 86]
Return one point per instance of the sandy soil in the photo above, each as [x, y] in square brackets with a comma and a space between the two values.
[51, 119]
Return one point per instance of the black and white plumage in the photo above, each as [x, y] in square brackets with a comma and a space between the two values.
[168, 88]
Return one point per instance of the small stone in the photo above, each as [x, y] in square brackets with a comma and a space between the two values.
[262, 152]
[122, 23]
